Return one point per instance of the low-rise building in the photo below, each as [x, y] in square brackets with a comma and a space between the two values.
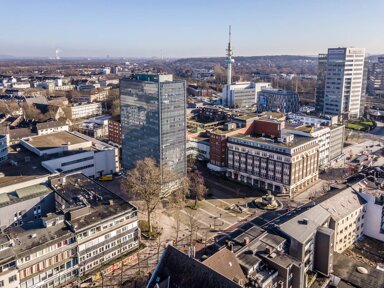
[68, 152]
[198, 147]
[51, 127]
[326, 120]
[347, 210]
[89, 96]
[277, 100]
[242, 94]
[83, 110]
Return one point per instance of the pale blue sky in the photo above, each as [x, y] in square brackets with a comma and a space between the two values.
[182, 28]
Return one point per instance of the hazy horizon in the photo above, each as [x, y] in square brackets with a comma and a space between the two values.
[172, 29]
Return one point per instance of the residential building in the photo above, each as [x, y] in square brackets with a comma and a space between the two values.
[203, 74]
[320, 82]
[68, 152]
[310, 240]
[347, 211]
[278, 101]
[21, 85]
[336, 142]
[344, 81]
[320, 133]
[287, 165]
[114, 130]
[83, 110]
[89, 96]
[96, 127]
[242, 94]
[174, 266]
[376, 79]
[153, 120]
[51, 127]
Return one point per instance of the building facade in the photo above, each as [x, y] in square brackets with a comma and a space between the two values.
[336, 141]
[83, 110]
[114, 130]
[344, 81]
[153, 120]
[320, 82]
[376, 79]
[277, 101]
[242, 94]
[3, 148]
[285, 166]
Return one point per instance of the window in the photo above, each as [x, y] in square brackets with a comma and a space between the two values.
[12, 278]
[1, 283]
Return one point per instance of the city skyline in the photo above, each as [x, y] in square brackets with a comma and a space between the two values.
[98, 29]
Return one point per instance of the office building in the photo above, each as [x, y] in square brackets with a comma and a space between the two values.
[336, 142]
[344, 82]
[287, 165]
[153, 120]
[376, 79]
[242, 94]
[67, 152]
[3, 148]
[320, 133]
[278, 101]
[62, 231]
[320, 82]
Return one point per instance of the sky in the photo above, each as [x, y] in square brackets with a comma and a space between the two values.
[182, 28]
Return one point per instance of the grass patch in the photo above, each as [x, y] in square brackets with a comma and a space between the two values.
[355, 126]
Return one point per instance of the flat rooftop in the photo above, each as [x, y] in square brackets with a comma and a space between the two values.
[79, 191]
[297, 140]
[58, 139]
[26, 166]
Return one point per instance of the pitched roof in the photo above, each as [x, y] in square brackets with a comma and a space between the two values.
[178, 270]
[225, 263]
[343, 203]
[50, 124]
[305, 224]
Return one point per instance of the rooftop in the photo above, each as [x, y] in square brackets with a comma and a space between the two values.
[58, 139]
[305, 224]
[297, 140]
[50, 124]
[78, 191]
[343, 204]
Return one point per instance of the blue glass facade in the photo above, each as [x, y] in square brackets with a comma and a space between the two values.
[153, 120]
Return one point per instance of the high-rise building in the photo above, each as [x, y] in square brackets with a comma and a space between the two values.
[320, 84]
[376, 79]
[343, 88]
[153, 120]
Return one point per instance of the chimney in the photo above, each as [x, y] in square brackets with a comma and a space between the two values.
[246, 241]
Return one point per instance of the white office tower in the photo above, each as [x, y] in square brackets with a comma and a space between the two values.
[344, 81]
[240, 94]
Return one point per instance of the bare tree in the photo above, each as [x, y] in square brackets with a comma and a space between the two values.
[193, 224]
[197, 189]
[4, 109]
[144, 183]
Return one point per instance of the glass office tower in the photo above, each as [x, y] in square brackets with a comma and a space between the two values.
[153, 120]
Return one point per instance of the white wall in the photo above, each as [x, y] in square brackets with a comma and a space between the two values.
[373, 217]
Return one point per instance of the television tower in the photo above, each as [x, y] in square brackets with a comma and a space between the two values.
[229, 60]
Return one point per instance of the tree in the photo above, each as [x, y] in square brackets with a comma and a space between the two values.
[4, 109]
[197, 189]
[193, 224]
[144, 183]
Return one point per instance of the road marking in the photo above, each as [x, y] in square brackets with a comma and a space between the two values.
[206, 212]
